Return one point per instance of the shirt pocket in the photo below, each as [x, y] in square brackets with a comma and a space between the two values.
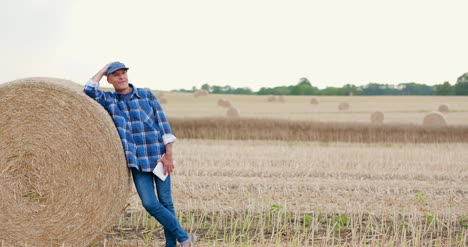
[146, 113]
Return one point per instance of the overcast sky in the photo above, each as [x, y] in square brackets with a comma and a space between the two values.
[243, 43]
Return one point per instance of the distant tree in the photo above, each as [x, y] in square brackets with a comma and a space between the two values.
[350, 89]
[412, 88]
[206, 87]
[379, 89]
[330, 91]
[461, 87]
[282, 90]
[216, 89]
[304, 87]
[244, 90]
[265, 91]
[444, 89]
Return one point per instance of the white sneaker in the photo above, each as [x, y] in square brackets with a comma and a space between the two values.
[190, 241]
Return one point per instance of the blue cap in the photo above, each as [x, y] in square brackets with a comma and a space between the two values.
[114, 67]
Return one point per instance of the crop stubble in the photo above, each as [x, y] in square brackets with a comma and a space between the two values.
[219, 184]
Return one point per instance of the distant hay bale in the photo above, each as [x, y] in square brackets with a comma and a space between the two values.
[271, 98]
[200, 93]
[233, 112]
[162, 100]
[444, 108]
[159, 94]
[435, 119]
[314, 101]
[63, 173]
[377, 117]
[224, 103]
[344, 106]
[281, 99]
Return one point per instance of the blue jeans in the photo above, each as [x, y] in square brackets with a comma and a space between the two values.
[162, 208]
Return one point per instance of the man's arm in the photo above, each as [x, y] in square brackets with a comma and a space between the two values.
[92, 86]
[167, 160]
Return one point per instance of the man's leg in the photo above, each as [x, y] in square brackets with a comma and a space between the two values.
[144, 184]
[163, 189]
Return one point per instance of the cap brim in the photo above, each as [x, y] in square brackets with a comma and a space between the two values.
[113, 70]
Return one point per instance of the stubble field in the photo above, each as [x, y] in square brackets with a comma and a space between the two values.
[288, 192]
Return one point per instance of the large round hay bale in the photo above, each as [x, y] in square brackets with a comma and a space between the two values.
[233, 112]
[224, 103]
[162, 100]
[200, 93]
[63, 174]
[281, 99]
[377, 117]
[159, 94]
[314, 101]
[435, 119]
[344, 106]
[444, 108]
[271, 98]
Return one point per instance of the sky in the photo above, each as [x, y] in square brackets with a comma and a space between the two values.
[243, 43]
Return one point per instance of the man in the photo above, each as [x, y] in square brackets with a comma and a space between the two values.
[147, 139]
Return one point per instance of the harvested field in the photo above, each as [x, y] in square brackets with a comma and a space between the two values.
[397, 109]
[287, 193]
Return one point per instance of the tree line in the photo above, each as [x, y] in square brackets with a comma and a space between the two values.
[304, 87]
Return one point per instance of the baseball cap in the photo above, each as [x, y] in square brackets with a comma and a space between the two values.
[114, 67]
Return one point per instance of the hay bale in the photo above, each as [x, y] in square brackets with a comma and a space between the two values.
[281, 99]
[224, 103]
[377, 117]
[435, 119]
[162, 100]
[444, 108]
[63, 173]
[159, 94]
[271, 98]
[314, 101]
[344, 106]
[233, 112]
[201, 93]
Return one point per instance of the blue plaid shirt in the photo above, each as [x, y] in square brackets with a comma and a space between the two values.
[140, 121]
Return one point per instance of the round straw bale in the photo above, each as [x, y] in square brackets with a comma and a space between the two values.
[377, 117]
[344, 106]
[444, 108]
[159, 94]
[224, 103]
[435, 119]
[200, 93]
[63, 173]
[314, 101]
[281, 99]
[271, 98]
[162, 100]
[233, 112]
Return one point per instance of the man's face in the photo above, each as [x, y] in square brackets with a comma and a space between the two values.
[118, 79]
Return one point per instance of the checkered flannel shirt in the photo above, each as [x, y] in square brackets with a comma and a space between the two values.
[141, 124]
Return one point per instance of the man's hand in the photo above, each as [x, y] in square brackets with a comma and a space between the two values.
[98, 76]
[167, 160]
[168, 163]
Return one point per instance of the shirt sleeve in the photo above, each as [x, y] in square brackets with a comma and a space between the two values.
[168, 136]
[92, 90]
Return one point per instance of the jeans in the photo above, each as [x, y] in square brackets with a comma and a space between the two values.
[162, 208]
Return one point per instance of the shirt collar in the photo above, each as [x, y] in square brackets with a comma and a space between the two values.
[134, 92]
